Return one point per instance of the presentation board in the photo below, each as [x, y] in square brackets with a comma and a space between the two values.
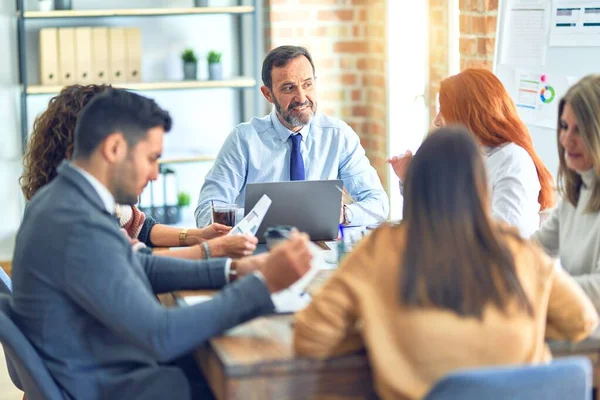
[542, 48]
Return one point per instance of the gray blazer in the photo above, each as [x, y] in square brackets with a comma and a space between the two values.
[87, 302]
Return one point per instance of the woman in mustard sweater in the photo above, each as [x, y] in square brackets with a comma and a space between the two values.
[449, 288]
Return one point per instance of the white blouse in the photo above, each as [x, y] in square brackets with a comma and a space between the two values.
[515, 187]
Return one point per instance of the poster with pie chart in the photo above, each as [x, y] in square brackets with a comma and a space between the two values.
[547, 94]
[538, 95]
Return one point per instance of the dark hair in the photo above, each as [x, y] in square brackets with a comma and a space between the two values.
[455, 257]
[280, 57]
[52, 138]
[117, 110]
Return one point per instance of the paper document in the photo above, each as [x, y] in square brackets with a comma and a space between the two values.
[251, 222]
[525, 36]
[575, 23]
[517, 3]
[295, 297]
[191, 300]
[538, 94]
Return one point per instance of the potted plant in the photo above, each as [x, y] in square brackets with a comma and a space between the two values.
[183, 205]
[215, 68]
[62, 4]
[45, 5]
[190, 64]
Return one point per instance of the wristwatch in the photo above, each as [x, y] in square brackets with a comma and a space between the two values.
[183, 237]
[233, 275]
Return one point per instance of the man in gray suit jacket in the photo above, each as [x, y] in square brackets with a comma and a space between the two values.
[87, 302]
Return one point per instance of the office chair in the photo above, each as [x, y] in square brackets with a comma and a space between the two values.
[566, 378]
[5, 282]
[33, 377]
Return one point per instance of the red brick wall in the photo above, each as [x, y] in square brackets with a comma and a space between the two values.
[347, 39]
[477, 25]
[477, 33]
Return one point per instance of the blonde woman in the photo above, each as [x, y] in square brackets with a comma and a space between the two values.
[572, 231]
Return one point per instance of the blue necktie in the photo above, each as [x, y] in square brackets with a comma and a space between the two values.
[296, 162]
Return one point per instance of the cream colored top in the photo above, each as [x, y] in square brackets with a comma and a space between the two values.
[410, 349]
[573, 235]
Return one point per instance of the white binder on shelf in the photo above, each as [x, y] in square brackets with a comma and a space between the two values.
[49, 72]
[100, 55]
[83, 56]
[66, 56]
[133, 40]
[117, 55]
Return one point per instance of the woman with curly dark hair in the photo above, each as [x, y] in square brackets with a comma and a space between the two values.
[52, 141]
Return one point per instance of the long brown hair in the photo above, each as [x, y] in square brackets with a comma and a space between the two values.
[455, 256]
[477, 99]
[52, 138]
[584, 99]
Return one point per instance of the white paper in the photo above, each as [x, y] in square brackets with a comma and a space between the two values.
[575, 23]
[191, 300]
[251, 222]
[527, 3]
[538, 95]
[295, 298]
[525, 36]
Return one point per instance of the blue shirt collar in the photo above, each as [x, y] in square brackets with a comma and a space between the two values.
[283, 132]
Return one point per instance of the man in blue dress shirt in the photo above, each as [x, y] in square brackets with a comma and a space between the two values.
[294, 142]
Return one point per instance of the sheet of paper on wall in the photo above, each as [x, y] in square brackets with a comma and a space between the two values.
[575, 23]
[525, 34]
[251, 222]
[538, 94]
[527, 3]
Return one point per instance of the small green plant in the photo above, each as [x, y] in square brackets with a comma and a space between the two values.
[183, 199]
[188, 56]
[214, 57]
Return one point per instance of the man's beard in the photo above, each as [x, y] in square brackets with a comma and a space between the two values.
[124, 181]
[301, 119]
[124, 197]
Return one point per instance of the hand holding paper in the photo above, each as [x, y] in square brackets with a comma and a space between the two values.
[287, 263]
[251, 222]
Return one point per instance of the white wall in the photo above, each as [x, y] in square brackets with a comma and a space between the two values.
[408, 118]
[202, 118]
[10, 146]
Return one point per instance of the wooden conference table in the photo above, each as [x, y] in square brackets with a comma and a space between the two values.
[256, 361]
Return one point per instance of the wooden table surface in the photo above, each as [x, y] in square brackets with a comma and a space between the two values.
[256, 361]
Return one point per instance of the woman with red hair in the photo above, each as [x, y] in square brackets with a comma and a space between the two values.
[521, 184]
